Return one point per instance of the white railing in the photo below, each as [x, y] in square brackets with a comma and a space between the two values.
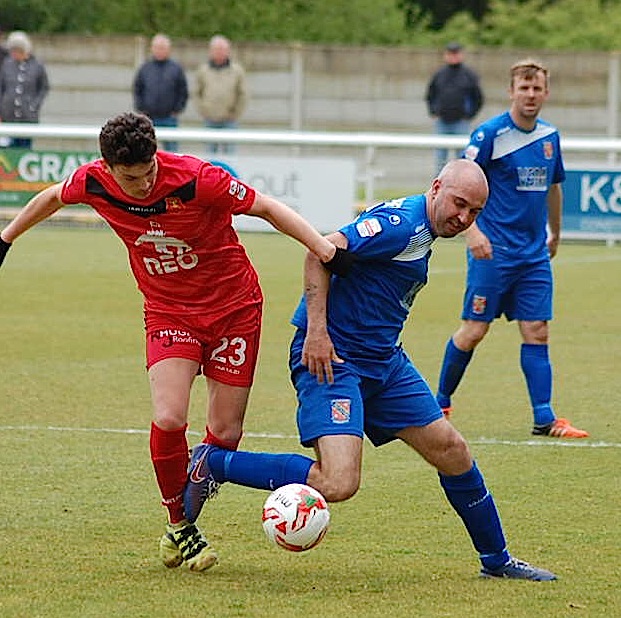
[369, 143]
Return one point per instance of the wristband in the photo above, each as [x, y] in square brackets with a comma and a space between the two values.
[341, 263]
[4, 247]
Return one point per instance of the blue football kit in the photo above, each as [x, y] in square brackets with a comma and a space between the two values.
[520, 167]
[377, 391]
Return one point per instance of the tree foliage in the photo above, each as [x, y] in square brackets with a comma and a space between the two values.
[439, 13]
[545, 24]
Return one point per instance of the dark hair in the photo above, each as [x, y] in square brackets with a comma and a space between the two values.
[127, 139]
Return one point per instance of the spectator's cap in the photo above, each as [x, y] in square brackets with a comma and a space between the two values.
[453, 46]
[19, 40]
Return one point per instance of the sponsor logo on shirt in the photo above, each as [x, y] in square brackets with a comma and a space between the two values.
[237, 189]
[170, 254]
[369, 227]
[340, 410]
[479, 304]
[172, 336]
[532, 178]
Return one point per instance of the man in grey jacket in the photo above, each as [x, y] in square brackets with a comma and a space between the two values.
[222, 91]
[23, 85]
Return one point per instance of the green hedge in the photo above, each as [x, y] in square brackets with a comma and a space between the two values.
[542, 24]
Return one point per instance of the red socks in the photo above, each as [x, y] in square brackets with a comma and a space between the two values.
[169, 454]
[229, 445]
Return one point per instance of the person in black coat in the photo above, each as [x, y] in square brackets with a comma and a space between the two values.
[161, 87]
[454, 97]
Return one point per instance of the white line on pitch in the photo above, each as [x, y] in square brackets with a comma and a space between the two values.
[277, 436]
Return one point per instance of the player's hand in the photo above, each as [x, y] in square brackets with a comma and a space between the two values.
[552, 243]
[4, 248]
[318, 354]
[479, 245]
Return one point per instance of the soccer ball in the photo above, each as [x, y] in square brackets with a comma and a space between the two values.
[295, 517]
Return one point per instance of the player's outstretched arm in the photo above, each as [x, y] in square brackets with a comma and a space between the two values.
[289, 222]
[40, 207]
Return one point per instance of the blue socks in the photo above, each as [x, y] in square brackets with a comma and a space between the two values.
[453, 368]
[474, 504]
[536, 366]
[537, 370]
[258, 470]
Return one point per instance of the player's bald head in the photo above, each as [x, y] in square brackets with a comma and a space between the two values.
[466, 174]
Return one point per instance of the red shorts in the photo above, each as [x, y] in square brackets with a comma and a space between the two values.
[227, 348]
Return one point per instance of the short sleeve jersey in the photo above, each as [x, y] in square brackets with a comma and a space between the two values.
[520, 167]
[183, 251]
[368, 308]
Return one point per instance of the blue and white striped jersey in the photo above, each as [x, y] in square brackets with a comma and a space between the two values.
[368, 308]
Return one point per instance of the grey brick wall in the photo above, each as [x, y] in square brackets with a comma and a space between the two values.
[343, 88]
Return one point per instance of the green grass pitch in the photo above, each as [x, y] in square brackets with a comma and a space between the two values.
[79, 509]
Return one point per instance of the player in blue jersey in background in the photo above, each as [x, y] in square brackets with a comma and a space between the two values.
[352, 377]
[511, 244]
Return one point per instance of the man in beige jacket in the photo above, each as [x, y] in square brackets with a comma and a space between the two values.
[222, 92]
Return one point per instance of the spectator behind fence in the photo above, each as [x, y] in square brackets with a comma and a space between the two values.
[454, 97]
[23, 85]
[222, 92]
[161, 88]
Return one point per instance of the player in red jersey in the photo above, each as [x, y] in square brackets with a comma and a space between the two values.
[202, 299]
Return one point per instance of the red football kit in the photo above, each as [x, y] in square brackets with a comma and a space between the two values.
[202, 298]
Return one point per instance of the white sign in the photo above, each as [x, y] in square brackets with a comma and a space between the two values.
[322, 190]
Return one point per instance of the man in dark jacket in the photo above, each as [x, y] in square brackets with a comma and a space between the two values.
[161, 87]
[453, 97]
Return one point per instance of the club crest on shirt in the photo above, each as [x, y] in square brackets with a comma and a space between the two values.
[173, 204]
[479, 304]
[548, 150]
[340, 410]
[369, 227]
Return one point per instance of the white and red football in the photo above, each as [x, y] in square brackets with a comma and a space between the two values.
[295, 517]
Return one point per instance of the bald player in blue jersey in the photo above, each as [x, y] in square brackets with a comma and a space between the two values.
[352, 377]
[511, 244]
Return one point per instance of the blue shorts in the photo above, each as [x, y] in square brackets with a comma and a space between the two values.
[497, 286]
[395, 397]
